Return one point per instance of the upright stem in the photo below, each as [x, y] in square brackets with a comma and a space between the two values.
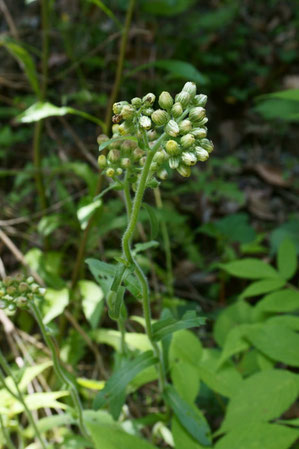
[126, 245]
[19, 396]
[166, 242]
[120, 64]
[59, 370]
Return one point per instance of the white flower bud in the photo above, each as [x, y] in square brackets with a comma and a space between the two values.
[160, 117]
[177, 110]
[113, 155]
[152, 135]
[200, 100]
[199, 133]
[127, 112]
[189, 158]
[183, 98]
[201, 154]
[162, 174]
[123, 129]
[154, 166]
[187, 140]
[159, 157]
[102, 161]
[174, 162]
[117, 107]
[119, 171]
[172, 147]
[184, 170]
[125, 162]
[115, 129]
[197, 113]
[202, 122]
[165, 100]
[42, 291]
[149, 99]
[137, 154]
[190, 87]
[136, 102]
[142, 161]
[185, 126]
[145, 122]
[110, 172]
[207, 145]
[172, 128]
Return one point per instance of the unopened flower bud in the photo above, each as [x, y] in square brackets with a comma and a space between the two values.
[117, 107]
[154, 166]
[102, 161]
[174, 162]
[102, 138]
[127, 112]
[187, 140]
[115, 128]
[125, 162]
[159, 157]
[177, 110]
[207, 145]
[110, 172]
[19, 277]
[172, 128]
[152, 135]
[145, 122]
[162, 174]
[29, 280]
[136, 102]
[185, 126]
[8, 281]
[123, 129]
[160, 117]
[147, 111]
[165, 100]
[119, 171]
[138, 153]
[113, 155]
[149, 98]
[199, 133]
[189, 158]
[200, 100]
[11, 290]
[42, 291]
[190, 87]
[184, 170]
[34, 288]
[172, 147]
[183, 98]
[197, 113]
[201, 154]
[202, 122]
[21, 301]
[142, 161]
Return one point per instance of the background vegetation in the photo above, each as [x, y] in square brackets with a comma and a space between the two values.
[233, 226]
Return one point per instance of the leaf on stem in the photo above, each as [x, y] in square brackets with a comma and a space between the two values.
[170, 325]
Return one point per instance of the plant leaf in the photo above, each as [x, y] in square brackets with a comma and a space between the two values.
[170, 325]
[92, 301]
[55, 303]
[107, 11]
[190, 417]
[287, 258]
[264, 286]
[250, 269]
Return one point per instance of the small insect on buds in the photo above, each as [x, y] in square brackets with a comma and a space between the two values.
[145, 122]
[190, 88]
[183, 170]
[185, 126]
[136, 102]
[110, 172]
[172, 147]
[149, 99]
[187, 140]
[160, 117]
[172, 128]
[197, 113]
[207, 145]
[200, 100]
[199, 133]
[189, 158]
[165, 100]
[127, 112]
[183, 98]
[201, 154]
[177, 110]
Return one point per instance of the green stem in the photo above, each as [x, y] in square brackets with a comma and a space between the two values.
[6, 434]
[19, 396]
[120, 65]
[126, 245]
[127, 194]
[59, 370]
[166, 242]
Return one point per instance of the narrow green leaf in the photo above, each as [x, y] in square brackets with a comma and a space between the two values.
[190, 417]
[141, 247]
[170, 325]
[152, 215]
[107, 11]
[250, 269]
[264, 286]
[118, 382]
[26, 62]
[287, 259]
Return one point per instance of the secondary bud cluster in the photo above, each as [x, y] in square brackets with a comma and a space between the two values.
[16, 292]
[176, 132]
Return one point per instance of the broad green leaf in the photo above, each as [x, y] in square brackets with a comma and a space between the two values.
[176, 69]
[153, 218]
[264, 286]
[250, 269]
[117, 383]
[170, 325]
[55, 303]
[185, 346]
[189, 417]
[225, 381]
[234, 343]
[185, 379]
[49, 422]
[238, 313]
[111, 436]
[292, 322]
[287, 258]
[290, 230]
[92, 301]
[182, 439]
[112, 338]
[283, 301]
[258, 436]
[25, 61]
[288, 94]
[41, 110]
[261, 397]
[276, 341]
[86, 211]
[107, 11]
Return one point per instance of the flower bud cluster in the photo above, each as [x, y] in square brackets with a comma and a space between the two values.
[16, 292]
[178, 125]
